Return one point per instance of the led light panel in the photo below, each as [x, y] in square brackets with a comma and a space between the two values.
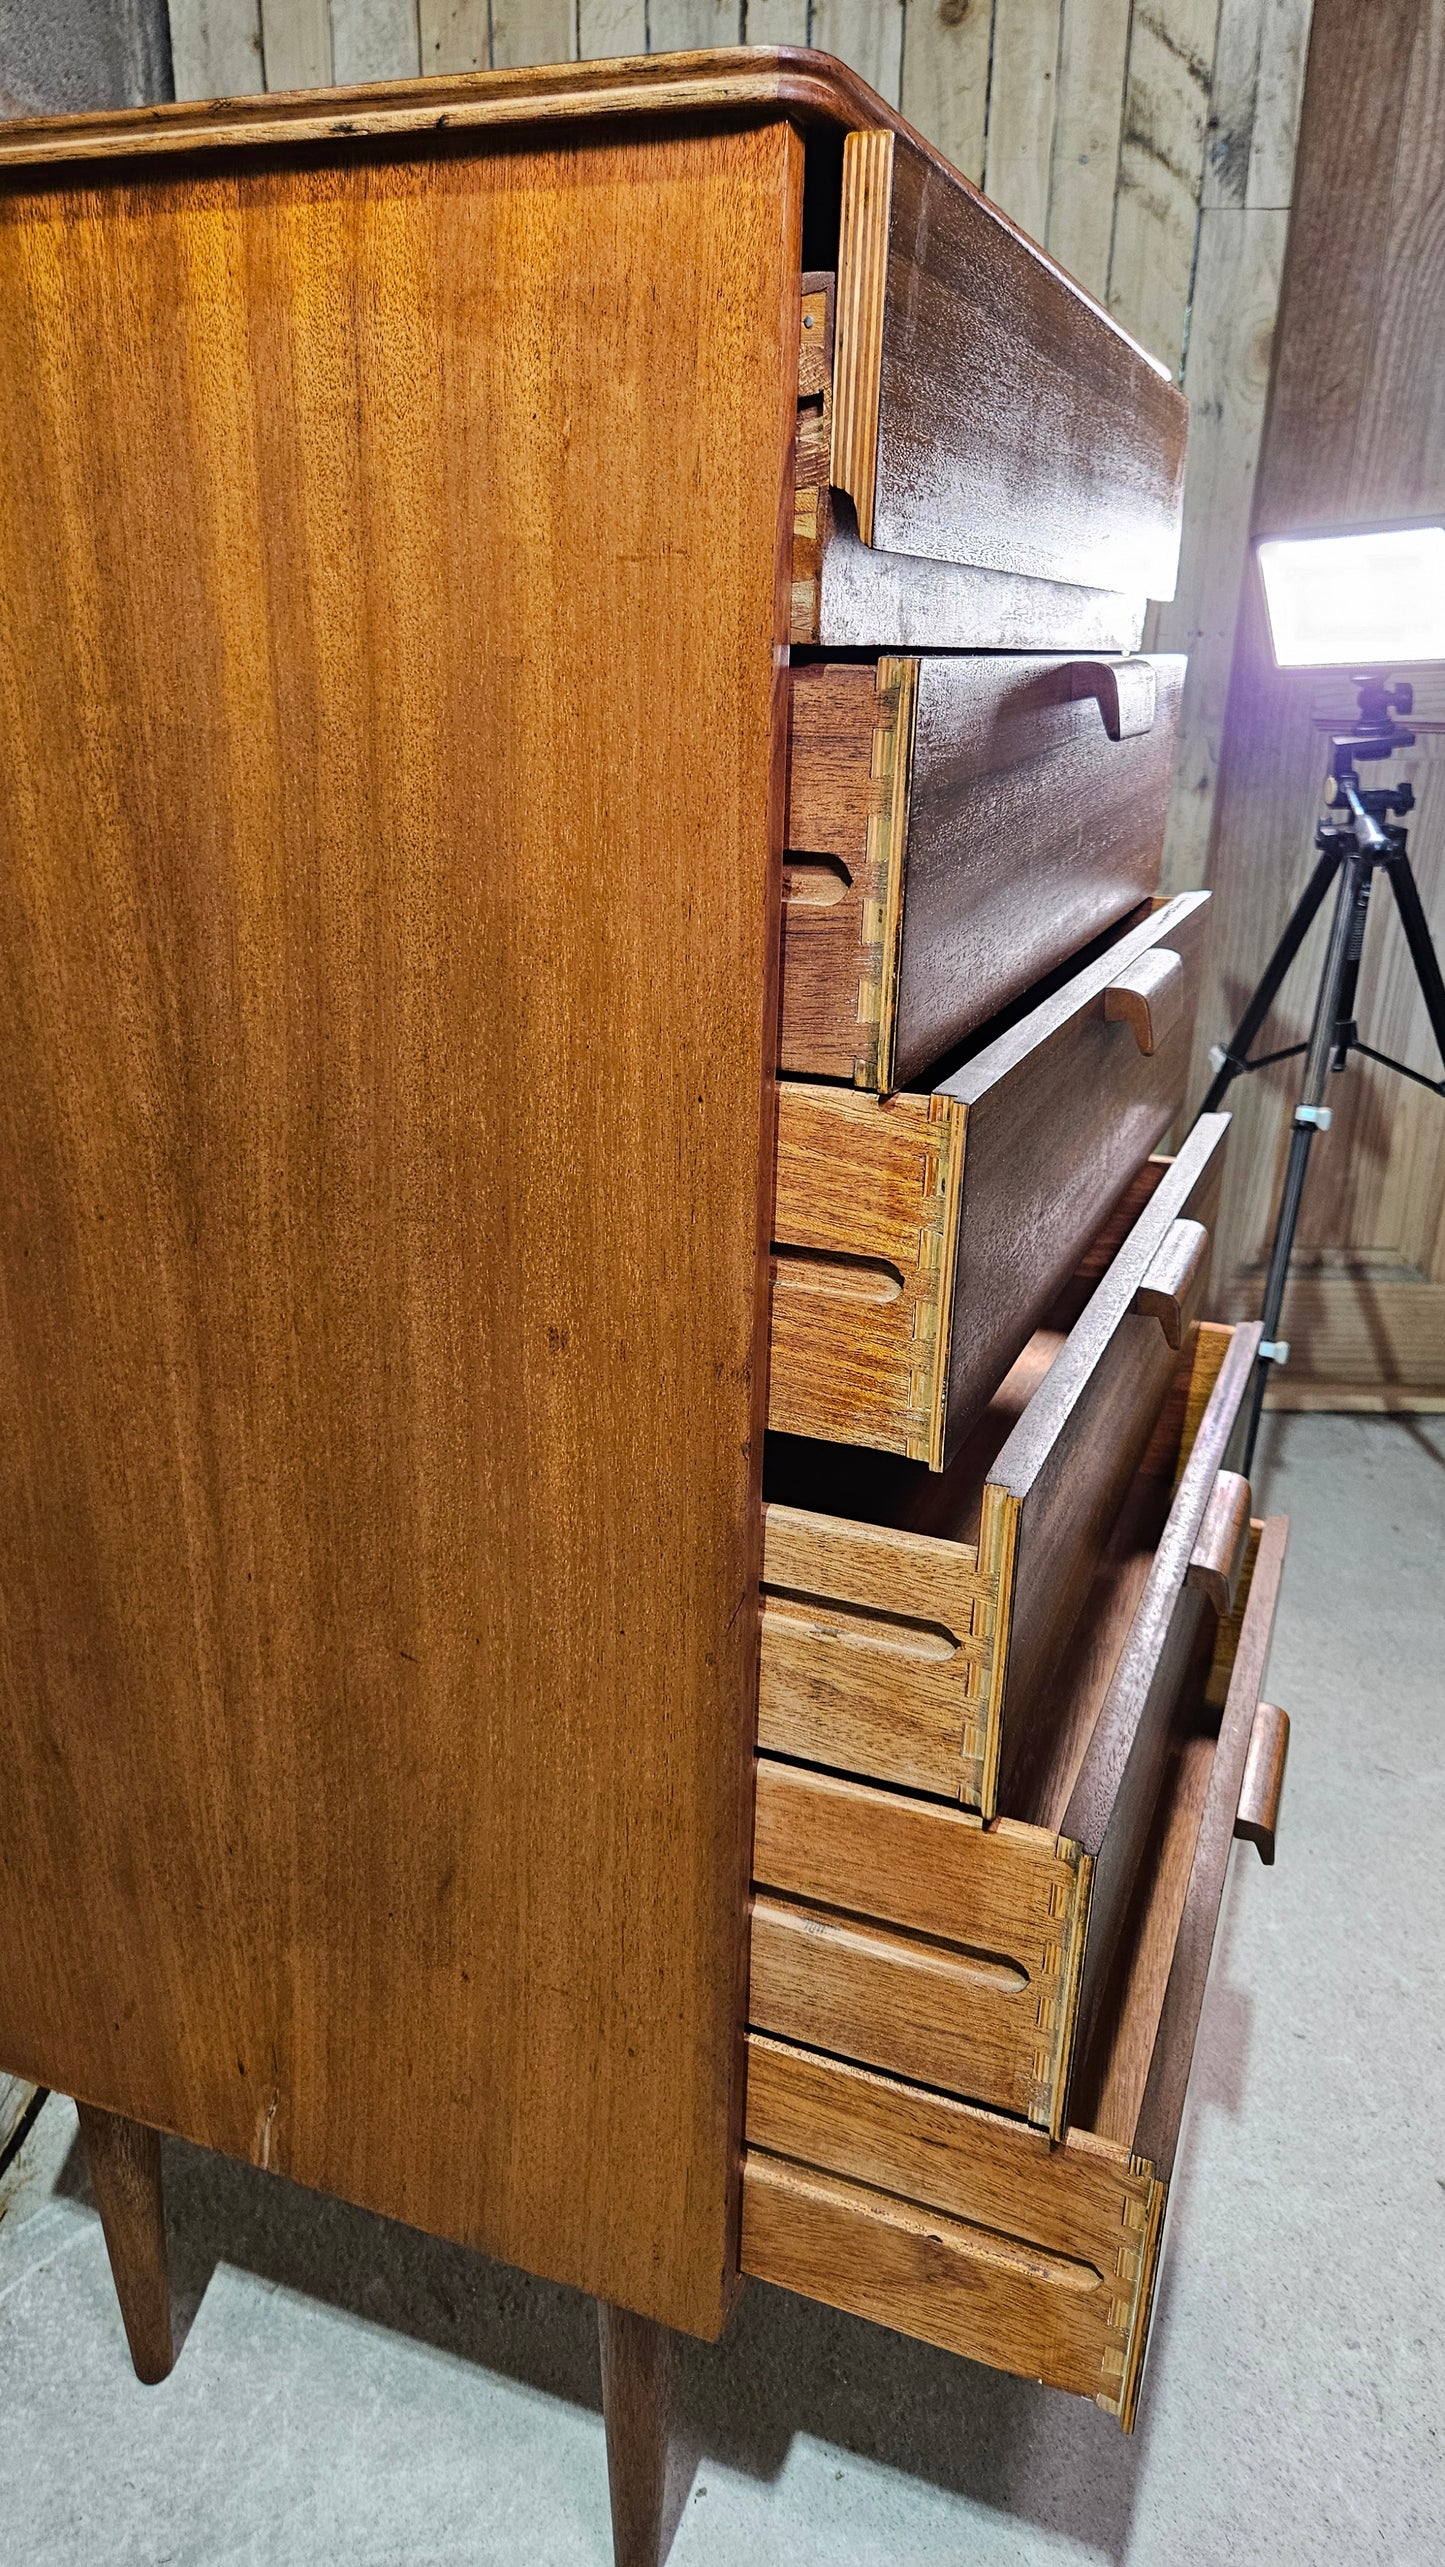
[1374, 600]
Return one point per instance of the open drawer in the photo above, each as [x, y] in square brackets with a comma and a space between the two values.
[957, 827]
[904, 1935]
[920, 1238]
[1037, 518]
[970, 2230]
[910, 1619]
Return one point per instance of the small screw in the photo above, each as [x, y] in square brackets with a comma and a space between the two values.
[807, 320]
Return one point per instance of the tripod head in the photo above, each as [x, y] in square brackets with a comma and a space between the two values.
[1377, 734]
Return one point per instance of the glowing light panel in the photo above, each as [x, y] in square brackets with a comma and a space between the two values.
[1356, 601]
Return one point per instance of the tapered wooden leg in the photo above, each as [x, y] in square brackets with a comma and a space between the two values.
[636, 2365]
[125, 2177]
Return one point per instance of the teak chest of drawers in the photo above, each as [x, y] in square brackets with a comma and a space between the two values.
[550, 945]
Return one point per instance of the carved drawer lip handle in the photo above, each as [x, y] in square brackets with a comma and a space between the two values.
[1259, 1792]
[1126, 692]
[1148, 996]
[1218, 1555]
[1174, 1278]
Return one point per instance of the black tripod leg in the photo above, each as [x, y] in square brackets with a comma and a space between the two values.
[1342, 1033]
[1341, 954]
[1422, 947]
[1301, 920]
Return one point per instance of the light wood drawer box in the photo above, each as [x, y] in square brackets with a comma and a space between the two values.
[971, 2230]
[918, 1239]
[911, 1619]
[957, 828]
[912, 1937]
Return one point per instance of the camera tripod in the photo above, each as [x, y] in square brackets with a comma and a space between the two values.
[1368, 841]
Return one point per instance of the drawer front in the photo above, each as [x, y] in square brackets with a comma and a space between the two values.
[1061, 1113]
[909, 1936]
[919, 1239]
[902, 1654]
[1071, 469]
[948, 2223]
[957, 828]
[970, 2230]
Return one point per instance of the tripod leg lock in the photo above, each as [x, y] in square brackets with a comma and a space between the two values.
[1274, 1350]
[1319, 1117]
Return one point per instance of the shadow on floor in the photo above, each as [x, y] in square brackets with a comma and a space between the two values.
[786, 2365]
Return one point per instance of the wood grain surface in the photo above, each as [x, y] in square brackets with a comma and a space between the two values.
[389, 932]
[1071, 470]
[911, 1620]
[1134, 2086]
[865, 1250]
[968, 2228]
[124, 2161]
[854, 597]
[1257, 1816]
[1062, 1110]
[850, 750]
[947, 2222]
[1132, 1738]
[909, 1936]
[996, 835]
[1030, 831]
[636, 2356]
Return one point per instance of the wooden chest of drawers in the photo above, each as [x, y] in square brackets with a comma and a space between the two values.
[430, 1168]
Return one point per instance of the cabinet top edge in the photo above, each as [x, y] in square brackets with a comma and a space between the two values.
[725, 83]
[722, 82]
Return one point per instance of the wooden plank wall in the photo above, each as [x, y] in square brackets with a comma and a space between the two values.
[1356, 433]
[1148, 143]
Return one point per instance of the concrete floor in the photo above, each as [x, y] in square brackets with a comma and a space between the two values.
[351, 2392]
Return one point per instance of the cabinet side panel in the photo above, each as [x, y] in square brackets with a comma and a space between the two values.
[393, 548]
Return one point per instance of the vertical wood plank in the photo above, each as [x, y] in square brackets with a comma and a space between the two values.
[526, 31]
[1088, 128]
[1236, 296]
[1233, 103]
[1283, 48]
[1161, 166]
[216, 48]
[1255, 102]
[946, 45]
[607, 27]
[454, 35]
[868, 35]
[687, 26]
[296, 43]
[775, 22]
[1022, 94]
[374, 40]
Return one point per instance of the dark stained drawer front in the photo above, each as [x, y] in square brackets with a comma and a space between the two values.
[982, 590]
[984, 410]
[920, 1238]
[956, 829]
[969, 2229]
[907, 1936]
[911, 1620]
